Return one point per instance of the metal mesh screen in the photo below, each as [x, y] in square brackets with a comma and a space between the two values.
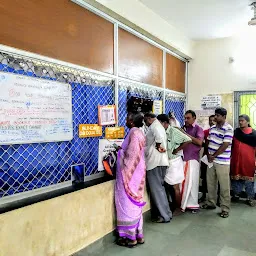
[126, 90]
[175, 103]
[32, 166]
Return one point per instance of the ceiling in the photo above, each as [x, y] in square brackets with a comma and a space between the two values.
[203, 19]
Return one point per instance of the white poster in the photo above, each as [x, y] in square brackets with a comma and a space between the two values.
[211, 102]
[203, 118]
[157, 107]
[106, 146]
[34, 110]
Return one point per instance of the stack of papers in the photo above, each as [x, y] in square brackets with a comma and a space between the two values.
[205, 160]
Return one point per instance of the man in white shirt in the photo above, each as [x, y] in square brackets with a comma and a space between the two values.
[157, 163]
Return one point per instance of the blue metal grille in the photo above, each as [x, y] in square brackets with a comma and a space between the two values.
[175, 103]
[31, 166]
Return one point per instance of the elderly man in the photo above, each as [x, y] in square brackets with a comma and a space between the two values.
[176, 141]
[156, 164]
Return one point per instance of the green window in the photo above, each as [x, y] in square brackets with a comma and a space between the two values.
[248, 107]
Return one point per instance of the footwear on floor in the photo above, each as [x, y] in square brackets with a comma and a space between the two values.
[207, 207]
[160, 220]
[224, 214]
[140, 241]
[235, 199]
[126, 242]
[251, 202]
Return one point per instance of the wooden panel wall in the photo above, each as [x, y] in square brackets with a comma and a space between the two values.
[139, 60]
[59, 29]
[175, 73]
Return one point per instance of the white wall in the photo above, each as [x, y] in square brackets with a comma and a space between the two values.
[142, 16]
[211, 73]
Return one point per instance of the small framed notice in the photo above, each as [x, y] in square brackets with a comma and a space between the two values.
[107, 115]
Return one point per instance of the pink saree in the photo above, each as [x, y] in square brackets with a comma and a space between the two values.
[130, 183]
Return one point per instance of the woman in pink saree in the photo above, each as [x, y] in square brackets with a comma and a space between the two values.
[130, 183]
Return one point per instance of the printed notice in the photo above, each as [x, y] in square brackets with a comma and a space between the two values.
[107, 115]
[211, 102]
[34, 110]
[105, 147]
[90, 130]
[157, 107]
[114, 133]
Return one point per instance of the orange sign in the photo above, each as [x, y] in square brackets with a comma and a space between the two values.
[90, 130]
[114, 132]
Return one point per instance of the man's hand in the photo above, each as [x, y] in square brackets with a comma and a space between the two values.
[210, 158]
[175, 151]
[161, 149]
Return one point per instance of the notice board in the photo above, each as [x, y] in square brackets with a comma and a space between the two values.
[34, 110]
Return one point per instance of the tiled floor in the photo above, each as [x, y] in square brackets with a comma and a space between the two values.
[203, 234]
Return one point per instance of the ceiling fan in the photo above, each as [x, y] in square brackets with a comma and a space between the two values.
[252, 22]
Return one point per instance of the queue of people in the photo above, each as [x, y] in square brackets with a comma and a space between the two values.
[167, 158]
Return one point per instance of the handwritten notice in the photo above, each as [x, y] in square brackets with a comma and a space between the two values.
[114, 133]
[90, 130]
[157, 107]
[105, 147]
[34, 110]
[107, 115]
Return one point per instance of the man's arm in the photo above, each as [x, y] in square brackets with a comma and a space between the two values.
[221, 149]
[198, 140]
[159, 140]
[181, 139]
[182, 146]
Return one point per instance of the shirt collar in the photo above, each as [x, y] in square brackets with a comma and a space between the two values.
[168, 129]
[221, 126]
[193, 125]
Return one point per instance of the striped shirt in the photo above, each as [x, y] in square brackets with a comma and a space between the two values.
[217, 136]
[174, 139]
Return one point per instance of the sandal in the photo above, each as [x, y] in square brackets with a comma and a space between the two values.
[140, 241]
[251, 202]
[131, 243]
[160, 220]
[224, 214]
[207, 207]
[126, 242]
[121, 241]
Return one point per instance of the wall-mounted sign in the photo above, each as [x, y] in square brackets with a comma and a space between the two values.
[107, 115]
[105, 147]
[114, 133]
[158, 107]
[211, 102]
[89, 130]
[202, 117]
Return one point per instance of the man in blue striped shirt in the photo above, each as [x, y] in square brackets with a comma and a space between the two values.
[219, 153]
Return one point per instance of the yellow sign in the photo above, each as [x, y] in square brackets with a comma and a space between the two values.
[90, 130]
[114, 132]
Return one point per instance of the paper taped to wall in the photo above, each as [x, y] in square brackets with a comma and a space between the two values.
[34, 110]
